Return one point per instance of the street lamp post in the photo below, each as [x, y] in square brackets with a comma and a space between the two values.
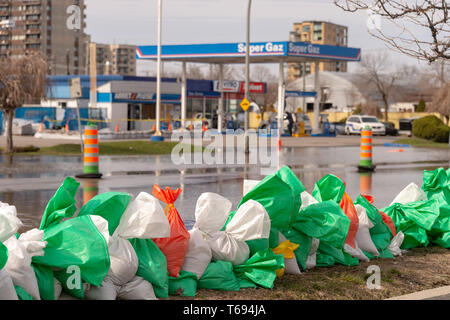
[158, 136]
[247, 73]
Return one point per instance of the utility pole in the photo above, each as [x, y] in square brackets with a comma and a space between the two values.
[247, 74]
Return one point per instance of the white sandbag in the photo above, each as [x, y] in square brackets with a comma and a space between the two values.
[396, 242]
[312, 257]
[363, 238]
[32, 241]
[144, 218]
[137, 289]
[290, 265]
[199, 254]
[102, 226]
[58, 288]
[19, 267]
[251, 221]
[7, 290]
[411, 193]
[307, 200]
[124, 261]
[107, 291]
[9, 223]
[356, 252]
[211, 212]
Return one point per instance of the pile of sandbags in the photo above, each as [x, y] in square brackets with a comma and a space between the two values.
[117, 247]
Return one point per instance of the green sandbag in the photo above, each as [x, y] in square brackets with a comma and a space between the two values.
[337, 254]
[325, 221]
[380, 233]
[3, 255]
[162, 291]
[61, 205]
[263, 244]
[245, 283]
[152, 262]
[22, 294]
[62, 276]
[279, 193]
[304, 248]
[260, 268]
[443, 240]
[436, 185]
[324, 260]
[109, 205]
[219, 276]
[76, 242]
[414, 219]
[45, 281]
[185, 285]
[330, 187]
[441, 228]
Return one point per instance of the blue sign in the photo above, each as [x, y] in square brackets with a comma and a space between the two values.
[264, 49]
[298, 94]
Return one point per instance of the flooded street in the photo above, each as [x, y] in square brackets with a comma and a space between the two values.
[28, 182]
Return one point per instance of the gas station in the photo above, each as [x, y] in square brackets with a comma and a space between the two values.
[280, 52]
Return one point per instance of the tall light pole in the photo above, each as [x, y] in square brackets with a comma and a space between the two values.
[158, 136]
[247, 73]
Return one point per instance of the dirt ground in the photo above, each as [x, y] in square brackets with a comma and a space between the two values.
[418, 269]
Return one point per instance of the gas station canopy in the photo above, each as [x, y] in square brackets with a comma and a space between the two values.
[260, 52]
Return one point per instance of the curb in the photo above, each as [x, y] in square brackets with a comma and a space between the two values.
[442, 293]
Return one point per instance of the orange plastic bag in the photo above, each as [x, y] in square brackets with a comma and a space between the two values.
[174, 247]
[386, 219]
[349, 209]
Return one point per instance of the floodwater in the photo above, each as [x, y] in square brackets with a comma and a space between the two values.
[28, 182]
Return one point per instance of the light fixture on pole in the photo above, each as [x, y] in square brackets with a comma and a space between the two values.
[247, 73]
[158, 136]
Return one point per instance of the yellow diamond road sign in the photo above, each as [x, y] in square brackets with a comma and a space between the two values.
[245, 104]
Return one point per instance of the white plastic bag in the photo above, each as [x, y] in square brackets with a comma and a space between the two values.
[363, 238]
[250, 222]
[290, 265]
[199, 254]
[396, 242]
[211, 212]
[19, 267]
[307, 200]
[144, 218]
[137, 289]
[249, 185]
[32, 241]
[312, 257]
[9, 223]
[58, 288]
[355, 252]
[7, 290]
[107, 291]
[124, 261]
[411, 193]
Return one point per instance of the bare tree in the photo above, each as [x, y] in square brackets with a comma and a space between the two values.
[441, 101]
[229, 73]
[375, 74]
[264, 101]
[22, 80]
[408, 20]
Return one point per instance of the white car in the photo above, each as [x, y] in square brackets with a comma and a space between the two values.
[354, 125]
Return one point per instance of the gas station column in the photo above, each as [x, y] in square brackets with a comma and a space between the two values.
[280, 98]
[220, 108]
[317, 97]
[183, 95]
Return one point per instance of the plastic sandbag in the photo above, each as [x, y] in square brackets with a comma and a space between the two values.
[77, 242]
[414, 219]
[185, 285]
[199, 254]
[143, 218]
[46, 281]
[152, 262]
[440, 232]
[9, 223]
[410, 193]
[219, 276]
[394, 246]
[175, 246]
[19, 267]
[3, 255]
[260, 268]
[7, 290]
[436, 185]
[61, 205]
[107, 291]
[279, 193]
[312, 257]
[363, 238]
[305, 245]
[137, 289]
[108, 205]
[124, 261]
[250, 222]
[307, 200]
[287, 249]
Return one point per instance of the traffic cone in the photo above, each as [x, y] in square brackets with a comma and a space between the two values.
[204, 128]
[117, 127]
[170, 126]
[191, 127]
[67, 126]
[154, 127]
[279, 144]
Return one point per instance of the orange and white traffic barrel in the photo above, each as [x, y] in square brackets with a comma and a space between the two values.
[91, 153]
[365, 158]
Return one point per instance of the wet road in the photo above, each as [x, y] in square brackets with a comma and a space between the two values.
[29, 182]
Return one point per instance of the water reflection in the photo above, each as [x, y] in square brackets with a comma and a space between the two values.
[90, 189]
[365, 183]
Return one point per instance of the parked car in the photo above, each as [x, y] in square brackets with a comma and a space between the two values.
[391, 130]
[339, 127]
[354, 125]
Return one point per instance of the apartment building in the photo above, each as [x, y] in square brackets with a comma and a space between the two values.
[53, 27]
[113, 59]
[318, 32]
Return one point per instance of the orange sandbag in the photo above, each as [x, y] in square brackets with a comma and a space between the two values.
[174, 247]
[349, 209]
[386, 219]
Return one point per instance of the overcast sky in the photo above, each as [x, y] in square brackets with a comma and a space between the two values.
[214, 21]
